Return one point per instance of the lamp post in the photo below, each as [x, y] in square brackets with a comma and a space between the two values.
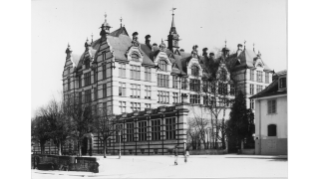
[119, 128]
[120, 145]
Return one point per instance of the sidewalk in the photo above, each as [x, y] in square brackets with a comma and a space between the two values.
[198, 166]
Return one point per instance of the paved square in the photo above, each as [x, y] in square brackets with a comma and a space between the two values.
[198, 166]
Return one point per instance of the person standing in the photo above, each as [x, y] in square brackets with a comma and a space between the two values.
[186, 155]
[176, 156]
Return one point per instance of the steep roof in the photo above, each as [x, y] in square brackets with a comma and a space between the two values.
[271, 90]
[118, 32]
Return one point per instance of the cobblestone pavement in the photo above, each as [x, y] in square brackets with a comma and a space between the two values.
[199, 166]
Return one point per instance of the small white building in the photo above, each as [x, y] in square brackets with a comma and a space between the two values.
[271, 117]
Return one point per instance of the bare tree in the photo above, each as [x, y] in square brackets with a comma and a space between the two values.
[81, 119]
[39, 131]
[105, 126]
[58, 122]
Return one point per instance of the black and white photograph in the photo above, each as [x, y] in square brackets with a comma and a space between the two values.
[158, 89]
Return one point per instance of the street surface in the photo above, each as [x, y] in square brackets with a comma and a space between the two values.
[198, 166]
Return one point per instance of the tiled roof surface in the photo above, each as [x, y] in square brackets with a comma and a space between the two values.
[118, 32]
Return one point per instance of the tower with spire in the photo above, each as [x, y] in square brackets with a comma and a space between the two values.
[173, 37]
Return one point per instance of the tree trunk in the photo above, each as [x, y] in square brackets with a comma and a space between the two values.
[104, 147]
[42, 147]
[79, 147]
[59, 148]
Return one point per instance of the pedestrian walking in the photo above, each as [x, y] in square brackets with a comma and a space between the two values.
[176, 156]
[186, 155]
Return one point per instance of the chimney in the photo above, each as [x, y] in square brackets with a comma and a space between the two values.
[239, 49]
[205, 52]
[135, 39]
[211, 55]
[148, 41]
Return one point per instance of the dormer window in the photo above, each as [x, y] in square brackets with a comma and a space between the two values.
[162, 65]
[195, 70]
[282, 83]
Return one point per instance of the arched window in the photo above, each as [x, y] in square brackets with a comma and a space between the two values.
[163, 65]
[272, 130]
[195, 70]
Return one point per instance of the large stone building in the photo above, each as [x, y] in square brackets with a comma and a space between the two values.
[119, 74]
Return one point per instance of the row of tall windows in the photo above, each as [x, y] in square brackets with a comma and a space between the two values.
[135, 72]
[162, 80]
[135, 90]
[163, 97]
[175, 98]
[194, 84]
[222, 88]
[259, 88]
[122, 89]
[147, 92]
[87, 78]
[194, 99]
[155, 130]
[135, 106]
[259, 76]
[175, 81]
[122, 70]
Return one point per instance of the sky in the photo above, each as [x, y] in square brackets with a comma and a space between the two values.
[206, 23]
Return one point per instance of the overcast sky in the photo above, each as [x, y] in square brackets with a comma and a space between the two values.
[207, 23]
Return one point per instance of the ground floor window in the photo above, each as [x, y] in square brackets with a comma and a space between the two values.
[170, 128]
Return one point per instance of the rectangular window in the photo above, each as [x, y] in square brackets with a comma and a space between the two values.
[259, 76]
[232, 89]
[142, 131]
[194, 84]
[122, 70]
[104, 90]
[87, 96]
[147, 74]
[135, 72]
[252, 74]
[206, 100]
[162, 80]
[194, 99]
[147, 106]
[259, 88]
[123, 106]
[156, 129]
[122, 89]
[96, 76]
[108, 89]
[267, 77]
[272, 106]
[163, 97]
[222, 88]
[109, 107]
[252, 89]
[170, 128]
[251, 104]
[69, 84]
[282, 82]
[205, 86]
[80, 97]
[135, 106]
[184, 83]
[87, 78]
[175, 82]
[80, 81]
[135, 91]
[147, 92]
[108, 70]
[104, 70]
[95, 93]
[175, 98]
[130, 132]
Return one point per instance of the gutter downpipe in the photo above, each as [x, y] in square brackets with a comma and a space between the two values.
[259, 127]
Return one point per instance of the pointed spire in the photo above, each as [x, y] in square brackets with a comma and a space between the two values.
[173, 23]
[105, 28]
[245, 45]
[121, 21]
[68, 51]
[92, 38]
[225, 43]
[254, 47]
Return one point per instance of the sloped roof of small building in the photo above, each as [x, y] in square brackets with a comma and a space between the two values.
[272, 89]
